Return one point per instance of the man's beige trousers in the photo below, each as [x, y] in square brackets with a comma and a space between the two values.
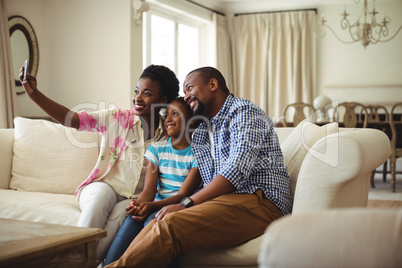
[222, 222]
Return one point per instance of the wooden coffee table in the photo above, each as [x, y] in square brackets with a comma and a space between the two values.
[33, 244]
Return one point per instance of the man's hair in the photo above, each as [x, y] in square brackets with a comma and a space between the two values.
[166, 79]
[207, 73]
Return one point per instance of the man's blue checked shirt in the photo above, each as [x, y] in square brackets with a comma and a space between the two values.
[246, 152]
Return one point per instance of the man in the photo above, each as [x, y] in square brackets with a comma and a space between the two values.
[241, 164]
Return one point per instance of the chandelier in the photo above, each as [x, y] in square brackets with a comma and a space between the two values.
[369, 31]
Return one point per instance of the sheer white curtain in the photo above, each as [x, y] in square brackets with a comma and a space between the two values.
[8, 107]
[223, 49]
[274, 59]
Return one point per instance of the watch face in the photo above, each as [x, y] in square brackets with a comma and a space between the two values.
[186, 202]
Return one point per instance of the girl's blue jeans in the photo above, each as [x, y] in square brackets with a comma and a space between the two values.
[126, 234]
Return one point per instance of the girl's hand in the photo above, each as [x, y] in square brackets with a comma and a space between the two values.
[30, 84]
[130, 205]
[144, 210]
[133, 207]
[168, 209]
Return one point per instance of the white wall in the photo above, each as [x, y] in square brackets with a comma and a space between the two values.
[87, 54]
[348, 72]
[33, 12]
[84, 51]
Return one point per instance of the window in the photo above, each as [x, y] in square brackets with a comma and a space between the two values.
[175, 41]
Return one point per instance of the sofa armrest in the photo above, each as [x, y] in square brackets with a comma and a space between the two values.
[283, 133]
[335, 238]
[336, 171]
[6, 156]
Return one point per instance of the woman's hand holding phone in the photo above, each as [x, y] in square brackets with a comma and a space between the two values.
[28, 82]
[25, 69]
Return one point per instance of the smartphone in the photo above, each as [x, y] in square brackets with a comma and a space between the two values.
[25, 69]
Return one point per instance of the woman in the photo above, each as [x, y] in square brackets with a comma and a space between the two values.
[117, 174]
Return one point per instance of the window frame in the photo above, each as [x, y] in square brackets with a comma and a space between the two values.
[205, 57]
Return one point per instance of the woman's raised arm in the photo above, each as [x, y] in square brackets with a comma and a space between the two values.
[60, 113]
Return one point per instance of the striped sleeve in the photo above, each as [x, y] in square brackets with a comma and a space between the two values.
[152, 154]
[194, 163]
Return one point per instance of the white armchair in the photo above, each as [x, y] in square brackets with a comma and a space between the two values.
[354, 237]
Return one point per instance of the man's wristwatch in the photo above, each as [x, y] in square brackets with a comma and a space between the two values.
[187, 202]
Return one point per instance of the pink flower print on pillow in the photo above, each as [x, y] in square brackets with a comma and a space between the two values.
[90, 178]
[125, 118]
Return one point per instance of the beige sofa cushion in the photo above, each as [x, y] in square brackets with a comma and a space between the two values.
[296, 146]
[244, 255]
[39, 207]
[67, 155]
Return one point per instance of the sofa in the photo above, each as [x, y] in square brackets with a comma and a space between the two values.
[42, 163]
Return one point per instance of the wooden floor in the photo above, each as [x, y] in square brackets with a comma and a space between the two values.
[384, 204]
[382, 196]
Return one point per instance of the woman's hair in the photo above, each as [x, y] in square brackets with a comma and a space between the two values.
[166, 79]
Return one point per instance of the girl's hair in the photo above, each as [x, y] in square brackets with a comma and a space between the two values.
[166, 79]
[187, 107]
[194, 122]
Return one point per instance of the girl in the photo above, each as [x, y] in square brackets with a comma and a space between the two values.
[172, 174]
[117, 175]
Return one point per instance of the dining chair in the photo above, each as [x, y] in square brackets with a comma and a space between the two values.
[301, 111]
[396, 143]
[350, 116]
[378, 114]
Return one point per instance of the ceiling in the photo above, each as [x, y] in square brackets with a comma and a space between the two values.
[248, 6]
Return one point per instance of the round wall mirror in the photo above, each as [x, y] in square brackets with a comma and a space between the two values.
[24, 46]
